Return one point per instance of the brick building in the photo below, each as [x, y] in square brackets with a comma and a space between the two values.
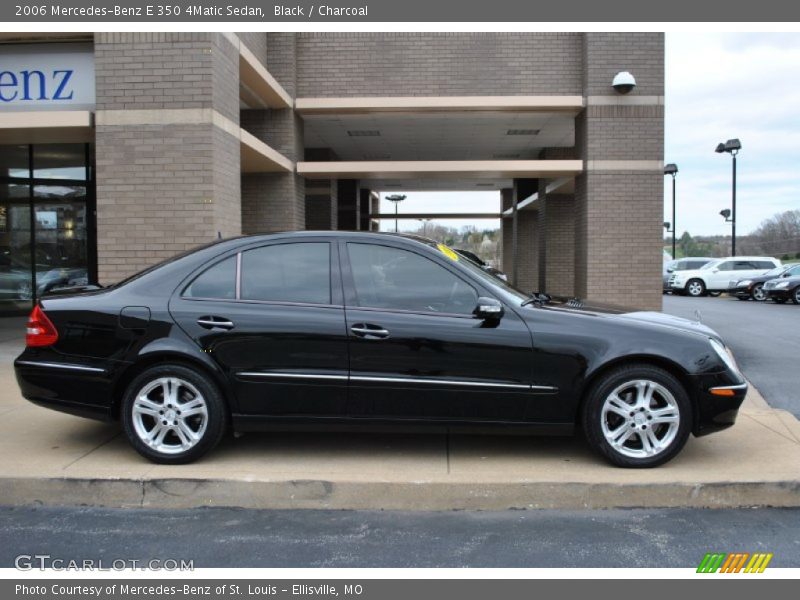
[121, 149]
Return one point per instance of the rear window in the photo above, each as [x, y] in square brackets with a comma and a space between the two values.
[298, 272]
[218, 281]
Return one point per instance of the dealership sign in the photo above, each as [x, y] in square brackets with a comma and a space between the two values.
[47, 77]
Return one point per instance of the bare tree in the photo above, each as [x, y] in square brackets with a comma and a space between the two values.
[778, 236]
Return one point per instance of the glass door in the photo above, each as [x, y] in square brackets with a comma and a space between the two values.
[46, 227]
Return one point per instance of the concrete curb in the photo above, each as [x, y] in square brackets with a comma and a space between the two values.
[377, 495]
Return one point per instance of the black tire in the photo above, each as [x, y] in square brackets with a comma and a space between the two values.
[695, 288]
[215, 417]
[796, 295]
[715, 294]
[742, 298]
[758, 294]
[593, 419]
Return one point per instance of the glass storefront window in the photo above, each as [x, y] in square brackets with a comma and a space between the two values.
[59, 161]
[14, 161]
[44, 229]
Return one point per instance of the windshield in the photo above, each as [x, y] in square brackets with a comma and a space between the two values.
[776, 271]
[512, 294]
[510, 290]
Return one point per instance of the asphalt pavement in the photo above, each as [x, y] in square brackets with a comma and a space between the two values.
[219, 537]
[764, 337]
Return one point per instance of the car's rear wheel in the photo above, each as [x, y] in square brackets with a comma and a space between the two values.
[758, 294]
[173, 414]
[637, 416]
[696, 288]
[796, 295]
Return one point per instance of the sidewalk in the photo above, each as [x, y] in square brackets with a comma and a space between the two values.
[55, 459]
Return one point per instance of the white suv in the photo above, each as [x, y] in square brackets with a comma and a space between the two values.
[720, 274]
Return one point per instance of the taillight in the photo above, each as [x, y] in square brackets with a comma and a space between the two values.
[41, 331]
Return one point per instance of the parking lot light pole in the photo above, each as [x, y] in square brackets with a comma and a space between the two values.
[397, 199]
[672, 169]
[732, 147]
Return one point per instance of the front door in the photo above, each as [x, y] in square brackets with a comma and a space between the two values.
[416, 350]
[272, 318]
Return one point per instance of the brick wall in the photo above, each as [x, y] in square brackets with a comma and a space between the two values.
[641, 54]
[153, 70]
[620, 232]
[618, 213]
[431, 64]
[163, 188]
[256, 42]
[560, 239]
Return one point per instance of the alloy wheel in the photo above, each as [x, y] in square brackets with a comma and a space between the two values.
[640, 418]
[170, 415]
[695, 288]
[759, 294]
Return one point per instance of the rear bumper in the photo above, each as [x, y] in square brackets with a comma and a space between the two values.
[84, 390]
[714, 412]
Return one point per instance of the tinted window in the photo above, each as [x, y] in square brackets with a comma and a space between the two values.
[764, 264]
[695, 264]
[298, 272]
[398, 279]
[744, 265]
[218, 281]
[794, 271]
[725, 266]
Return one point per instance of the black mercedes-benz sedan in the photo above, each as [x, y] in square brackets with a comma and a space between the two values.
[363, 329]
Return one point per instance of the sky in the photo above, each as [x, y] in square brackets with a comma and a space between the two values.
[718, 86]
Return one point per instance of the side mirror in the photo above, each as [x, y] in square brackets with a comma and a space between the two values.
[489, 309]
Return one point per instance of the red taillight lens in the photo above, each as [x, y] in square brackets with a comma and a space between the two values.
[41, 331]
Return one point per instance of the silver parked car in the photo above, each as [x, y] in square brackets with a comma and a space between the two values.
[682, 264]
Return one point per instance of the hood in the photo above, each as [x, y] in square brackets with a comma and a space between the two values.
[622, 313]
[670, 321]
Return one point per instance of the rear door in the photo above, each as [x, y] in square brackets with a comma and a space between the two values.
[272, 317]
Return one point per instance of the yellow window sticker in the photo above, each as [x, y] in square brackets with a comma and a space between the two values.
[447, 252]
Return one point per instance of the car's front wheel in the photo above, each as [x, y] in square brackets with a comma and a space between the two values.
[637, 416]
[173, 414]
[758, 294]
[796, 295]
[696, 288]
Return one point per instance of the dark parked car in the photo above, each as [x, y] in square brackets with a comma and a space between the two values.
[342, 328]
[481, 263]
[783, 289]
[753, 287]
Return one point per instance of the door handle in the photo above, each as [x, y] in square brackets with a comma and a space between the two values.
[215, 323]
[369, 331]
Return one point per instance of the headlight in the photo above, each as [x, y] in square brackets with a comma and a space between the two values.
[726, 357]
[744, 282]
[782, 285]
